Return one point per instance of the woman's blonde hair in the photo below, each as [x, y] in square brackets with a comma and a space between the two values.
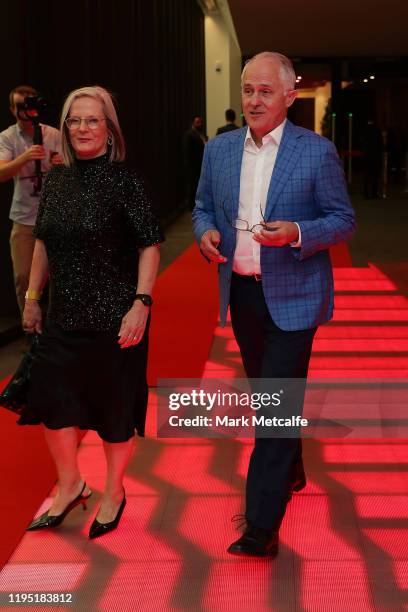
[118, 148]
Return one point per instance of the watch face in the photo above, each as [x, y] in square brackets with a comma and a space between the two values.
[145, 299]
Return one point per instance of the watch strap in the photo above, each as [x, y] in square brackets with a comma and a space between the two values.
[144, 298]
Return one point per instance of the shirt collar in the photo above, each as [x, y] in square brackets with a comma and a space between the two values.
[275, 135]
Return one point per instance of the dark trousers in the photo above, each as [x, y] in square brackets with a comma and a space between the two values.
[268, 352]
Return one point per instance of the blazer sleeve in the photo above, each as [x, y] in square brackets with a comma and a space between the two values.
[336, 219]
[204, 211]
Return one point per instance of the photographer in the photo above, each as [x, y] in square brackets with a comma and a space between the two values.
[18, 156]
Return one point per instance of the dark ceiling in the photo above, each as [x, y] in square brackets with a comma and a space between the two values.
[322, 28]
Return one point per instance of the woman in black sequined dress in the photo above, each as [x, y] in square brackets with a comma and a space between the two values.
[97, 240]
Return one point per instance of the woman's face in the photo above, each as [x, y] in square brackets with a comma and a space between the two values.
[89, 139]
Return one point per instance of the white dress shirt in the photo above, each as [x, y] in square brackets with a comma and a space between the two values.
[256, 171]
[13, 142]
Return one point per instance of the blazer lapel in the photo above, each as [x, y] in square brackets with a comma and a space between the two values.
[286, 160]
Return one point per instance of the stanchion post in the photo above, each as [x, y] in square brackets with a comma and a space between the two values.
[385, 167]
[333, 128]
[350, 146]
[406, 172]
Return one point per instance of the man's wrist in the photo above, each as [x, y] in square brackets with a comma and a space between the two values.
[212, 229]
[297, 243]
[23, 158]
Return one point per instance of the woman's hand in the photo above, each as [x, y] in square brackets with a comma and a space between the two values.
[133, 325]
[32, 317]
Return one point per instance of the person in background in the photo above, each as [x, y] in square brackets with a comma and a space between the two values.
[373, 149]
[98, 240]
[193, 151]
[230, 125]
[18, 155]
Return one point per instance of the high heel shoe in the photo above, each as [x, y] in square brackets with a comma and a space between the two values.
[53, 520]
[98, 529]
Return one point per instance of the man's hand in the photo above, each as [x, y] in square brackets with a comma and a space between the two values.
[277, 233]
[32, 317]
[9, 168]
[133, 325]
[34, 152]
[208, 246]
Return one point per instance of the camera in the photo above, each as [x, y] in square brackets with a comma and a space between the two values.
[31, 108]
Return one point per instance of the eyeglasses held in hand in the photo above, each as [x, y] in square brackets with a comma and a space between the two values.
[74, 123]
[243, 225]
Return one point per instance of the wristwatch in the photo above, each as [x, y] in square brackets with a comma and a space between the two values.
[144, 298]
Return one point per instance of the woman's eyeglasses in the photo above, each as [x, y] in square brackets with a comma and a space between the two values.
[74, 123]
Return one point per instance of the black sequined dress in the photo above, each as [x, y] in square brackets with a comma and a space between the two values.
[93, 218]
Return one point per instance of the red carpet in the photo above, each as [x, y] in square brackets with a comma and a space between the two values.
[184, 316]
[340, 256]
[26, 475]
[183, 321]
[343, 544]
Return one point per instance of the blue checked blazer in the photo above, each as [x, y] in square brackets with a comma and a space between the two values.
[307, 186]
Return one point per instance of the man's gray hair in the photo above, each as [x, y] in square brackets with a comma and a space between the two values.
[287, 72]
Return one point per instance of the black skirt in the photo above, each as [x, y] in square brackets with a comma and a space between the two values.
[84, 379]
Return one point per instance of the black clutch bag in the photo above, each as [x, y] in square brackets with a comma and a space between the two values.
[14, 396]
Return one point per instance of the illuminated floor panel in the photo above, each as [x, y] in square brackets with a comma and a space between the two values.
[392, 541]
[381, 507]
[371, 302]
[344, 537]
[380, 332]
[364, 285]
[359, 363]
[335, 586]
[361, 345]
[372, 483]
[45, 577]
[244, 585]
[370, 314]
[368, 373]
[382, 452]
[370, 273]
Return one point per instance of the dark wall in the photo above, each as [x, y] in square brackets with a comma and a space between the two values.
[302, 113]
[150, 53]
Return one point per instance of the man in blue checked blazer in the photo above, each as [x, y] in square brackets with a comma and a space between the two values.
[270, 202]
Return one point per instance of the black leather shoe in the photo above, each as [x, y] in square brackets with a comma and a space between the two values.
[256, 542]
[53, 520]
[99, 529]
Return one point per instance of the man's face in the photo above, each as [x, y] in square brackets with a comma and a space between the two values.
[17, 99]
[265, 100]
[198, 123]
